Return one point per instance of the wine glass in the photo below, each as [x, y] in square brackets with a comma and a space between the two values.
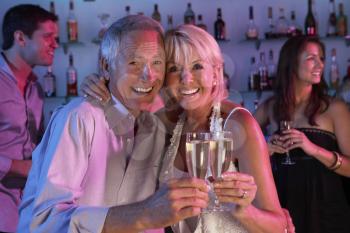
[221, 152]
[104, 21]
[197, 154]
[285, 125]
[197, 160]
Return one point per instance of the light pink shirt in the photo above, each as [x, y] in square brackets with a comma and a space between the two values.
[89, 160]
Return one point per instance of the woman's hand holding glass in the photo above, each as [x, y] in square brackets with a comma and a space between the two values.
[294, 138]
[237, 188]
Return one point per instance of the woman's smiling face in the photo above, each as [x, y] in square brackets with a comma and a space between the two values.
[190, 80]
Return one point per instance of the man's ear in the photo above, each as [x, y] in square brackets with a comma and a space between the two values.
[19, 38]
[104, 67]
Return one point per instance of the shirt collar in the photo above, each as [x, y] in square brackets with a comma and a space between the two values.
[4, 67]
[118, 116]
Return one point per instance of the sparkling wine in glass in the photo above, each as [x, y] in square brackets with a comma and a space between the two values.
[197, 159]
[197, 154]
[221, 152]
[285, 125]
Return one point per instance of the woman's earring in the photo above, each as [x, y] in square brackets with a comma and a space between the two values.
[214, 83]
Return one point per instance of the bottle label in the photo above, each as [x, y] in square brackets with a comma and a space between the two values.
[311, 31]
[72, 77]
[72, 27]
[342, 27]
[189, 20]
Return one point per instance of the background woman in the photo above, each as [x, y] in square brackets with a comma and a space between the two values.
[312, 188]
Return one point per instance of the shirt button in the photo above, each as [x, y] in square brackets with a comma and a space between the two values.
[128, 140]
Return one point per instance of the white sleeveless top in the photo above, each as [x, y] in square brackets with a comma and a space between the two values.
[216, 222]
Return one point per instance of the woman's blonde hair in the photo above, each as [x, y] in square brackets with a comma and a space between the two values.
[180, 43]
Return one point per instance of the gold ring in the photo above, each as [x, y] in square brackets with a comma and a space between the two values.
[244, 195]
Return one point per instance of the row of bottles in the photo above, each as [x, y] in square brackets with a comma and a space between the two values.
[72, 23]
[262, 74]
[336, 26]
[72, 80]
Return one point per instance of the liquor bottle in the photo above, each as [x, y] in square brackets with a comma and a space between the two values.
[347, 76]
[156, 15]
[334, 76]
[332, 20]
[271, 70]
[219, 27]
[200, 23]
[310, 22]
[263, 72]
[282, 24]
[72, 24]
[53, 11]
[342, 22]
[254, 78]
[189, 16]
[127, 10]
[271, 28]
[49, 83]
[294, 29]
[170, 23]
[252, 30]
[72, 78]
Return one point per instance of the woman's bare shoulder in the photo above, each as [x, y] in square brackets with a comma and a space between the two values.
[337, 108]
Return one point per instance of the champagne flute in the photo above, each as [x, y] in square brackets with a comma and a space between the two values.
[197, 160]
[221, 151]
[197, 154]
[285, 125]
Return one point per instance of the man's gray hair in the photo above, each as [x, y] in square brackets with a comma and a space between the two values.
[109, 47]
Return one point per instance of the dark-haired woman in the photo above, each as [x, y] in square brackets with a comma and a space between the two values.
[319, 142]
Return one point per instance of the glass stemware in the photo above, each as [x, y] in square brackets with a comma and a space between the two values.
[104, 24]
[285, 125]
[221, 152]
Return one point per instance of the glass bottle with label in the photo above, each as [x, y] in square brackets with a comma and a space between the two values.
[334, 76]
[49, 83]
[342, 22]
[200, 23]
[294, 29]
[170, 23]
[332, 20]
[252, 30]
[271, 26]
[53, 11]
[156, 15]
[263, 72]
[219, 27]
[310, 21]
[254, 78]
[189, 16]
[72, 24]
[271, 70]
[72, 78]
[127, 10]
[282, 24]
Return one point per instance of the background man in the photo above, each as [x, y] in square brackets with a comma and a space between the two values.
[29, 34]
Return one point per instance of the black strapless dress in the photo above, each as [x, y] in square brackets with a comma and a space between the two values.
[314, 195]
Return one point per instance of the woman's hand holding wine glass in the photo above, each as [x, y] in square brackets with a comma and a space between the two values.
[236, 187]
